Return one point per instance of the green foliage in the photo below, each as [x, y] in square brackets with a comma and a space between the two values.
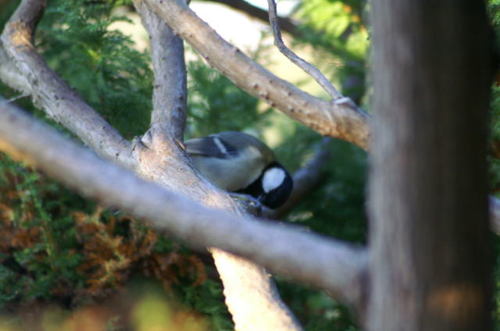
[6, 11]
[494, 11]
[215, 104]
[35, 263]
[316, 310]
[336, 208]
[206, 300]
[61, 249]
[340, 23]
[99, 62]
[337, 30]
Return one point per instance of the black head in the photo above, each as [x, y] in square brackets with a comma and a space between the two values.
[273, 187]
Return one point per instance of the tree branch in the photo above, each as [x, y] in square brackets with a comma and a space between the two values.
[170, 91]
[285, 23]
[300, 62]
[10, 75]
[58, 100]
[340, 119]
[336, 266]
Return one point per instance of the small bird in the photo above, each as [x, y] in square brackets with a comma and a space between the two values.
[238, 162]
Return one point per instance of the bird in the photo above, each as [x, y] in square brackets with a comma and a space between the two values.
[238, 162]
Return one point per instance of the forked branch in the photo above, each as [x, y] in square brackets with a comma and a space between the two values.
[342, 120]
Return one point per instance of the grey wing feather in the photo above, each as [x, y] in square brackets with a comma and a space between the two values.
[209, 147]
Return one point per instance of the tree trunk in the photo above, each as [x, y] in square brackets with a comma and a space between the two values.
[431, 261]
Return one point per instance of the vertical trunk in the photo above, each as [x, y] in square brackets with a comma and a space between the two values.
[428, 189]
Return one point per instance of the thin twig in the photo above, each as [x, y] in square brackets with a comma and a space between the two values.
[303, 64]
[17, 97]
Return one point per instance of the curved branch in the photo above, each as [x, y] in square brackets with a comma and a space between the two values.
[58, 100]
[170, 90]
[336, 266]
[340, 119]
[300, 62]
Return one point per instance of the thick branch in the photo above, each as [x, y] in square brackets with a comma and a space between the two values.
[300, 62]
[336, 119]
[170, 91]
[58, 100]
[10, 75]
[336, 266]
[431, 267]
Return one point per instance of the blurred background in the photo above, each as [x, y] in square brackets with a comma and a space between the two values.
[68, 263]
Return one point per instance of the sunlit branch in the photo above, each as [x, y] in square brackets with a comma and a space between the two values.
[170, 91]
[300, 62]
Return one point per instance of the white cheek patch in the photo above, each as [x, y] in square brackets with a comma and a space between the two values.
[273, 178]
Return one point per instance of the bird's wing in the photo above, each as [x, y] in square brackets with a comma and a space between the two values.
[210, 146]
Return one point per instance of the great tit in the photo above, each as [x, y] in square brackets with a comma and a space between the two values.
[237, 162]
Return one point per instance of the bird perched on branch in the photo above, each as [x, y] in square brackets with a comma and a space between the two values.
[238, 162]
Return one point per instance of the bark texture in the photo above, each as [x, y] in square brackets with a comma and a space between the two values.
[430, 253]
[170, 84]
